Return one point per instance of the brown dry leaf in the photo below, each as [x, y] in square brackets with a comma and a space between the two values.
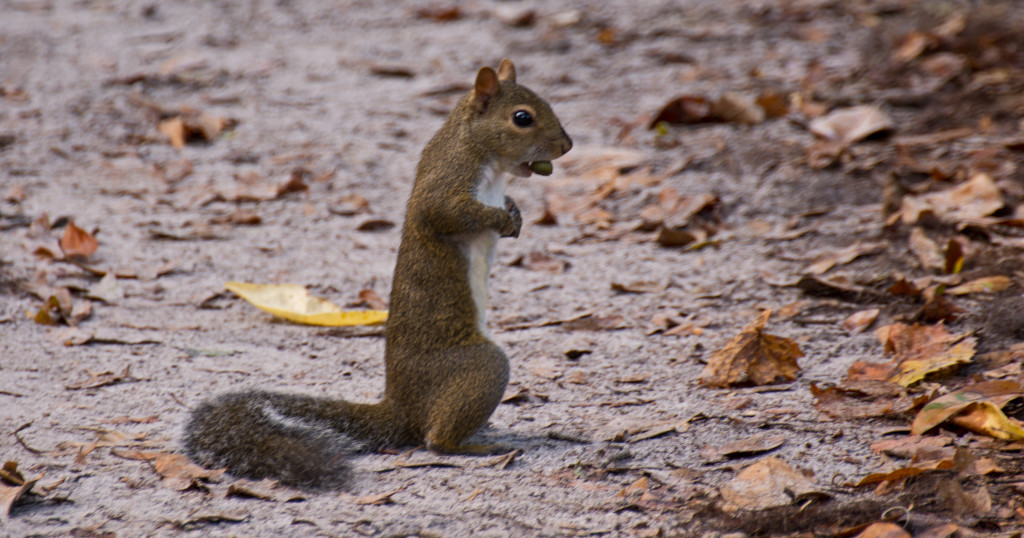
[375, 225]
[938, 307]
[989, 284]
[849, 125]
[862, 398]
[635, 488]
[13, 485]
[266, 489]
[884, 530]
[969, 201]
[440, 13]
[174, 130]
[375, 500]
[541, 261]
[962, 503]
[685, 110]
[503, 461]
[774, 104]
[593, 322]
[371, 299]
[751, 446]
[977, 408]
[926, 250]
[544, 367]
[858, 322]
[350, 205]
[100, 380]
[753, 357]
[844, 256]
[179, 473]
[768, 483]
[918, 350]
[738, 108]
[77, 243]
[192, 125]
[908, 447]
[639, 286]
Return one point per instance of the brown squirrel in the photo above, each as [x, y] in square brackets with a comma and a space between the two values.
[444, 376]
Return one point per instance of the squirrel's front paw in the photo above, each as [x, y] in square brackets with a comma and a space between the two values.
[517, 218]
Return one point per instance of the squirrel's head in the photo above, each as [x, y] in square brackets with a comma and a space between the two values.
[513, 122]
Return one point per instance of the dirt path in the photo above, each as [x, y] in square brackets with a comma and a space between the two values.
[316, 112]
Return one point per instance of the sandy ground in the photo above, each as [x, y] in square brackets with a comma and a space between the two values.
[343, 95]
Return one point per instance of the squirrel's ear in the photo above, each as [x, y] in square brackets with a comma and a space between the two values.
[507, 71]
[485, 88]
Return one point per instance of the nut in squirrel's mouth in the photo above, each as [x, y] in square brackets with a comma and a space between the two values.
[543, 168]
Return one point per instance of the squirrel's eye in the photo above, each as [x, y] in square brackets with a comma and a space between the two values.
[522, 118]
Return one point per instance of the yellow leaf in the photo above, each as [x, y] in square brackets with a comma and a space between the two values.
[294, 303]
[977, 408]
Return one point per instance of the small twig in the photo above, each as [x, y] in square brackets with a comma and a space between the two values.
[22, 441]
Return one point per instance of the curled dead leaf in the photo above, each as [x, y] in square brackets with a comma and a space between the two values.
[977, 408]
[849, 125]
[77, 243]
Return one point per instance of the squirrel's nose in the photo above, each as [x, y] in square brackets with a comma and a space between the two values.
[566, 143]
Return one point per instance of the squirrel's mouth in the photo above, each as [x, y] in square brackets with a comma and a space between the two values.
[543, 168]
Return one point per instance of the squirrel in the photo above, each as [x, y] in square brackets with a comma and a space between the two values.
[443, 374]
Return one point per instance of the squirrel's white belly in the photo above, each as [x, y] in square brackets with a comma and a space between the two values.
[479, 248]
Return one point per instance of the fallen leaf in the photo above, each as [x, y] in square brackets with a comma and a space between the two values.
[179, 473]
[96, 380]
[989, 284]
[684, 110]
[971, 200]
[753, 357]
[884, 530]
[350, 205]
[908, 447]
[841, 257]
[738, 108]
[13, 485]
[917, 350]
[638, 286]
[503, 461]
[635, 488]
[440, 14]
[848, 125]
[938, 307]
[77, 243]
[293, 302]
[926, 250]
[862, 398]
[768, 483]
[751, 446]
[954, 256]
[541, 261]
[858, 322]
[375, 499]
[962, 503]
[174, 130]
[977, 408]
[375, 225]
[106, 289]
[372, 299]
[266, 489]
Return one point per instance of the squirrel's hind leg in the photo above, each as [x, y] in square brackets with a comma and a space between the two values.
[467, 399]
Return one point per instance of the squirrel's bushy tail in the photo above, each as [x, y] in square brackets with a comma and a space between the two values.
[299, 440]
